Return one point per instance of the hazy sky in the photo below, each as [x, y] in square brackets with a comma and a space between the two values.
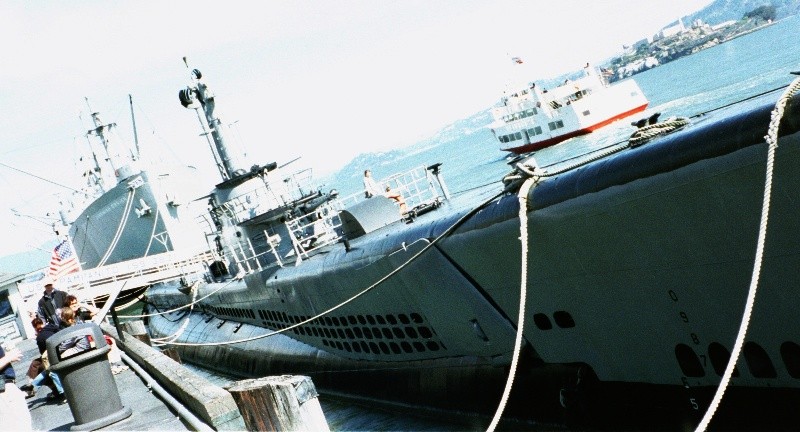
[321, 80]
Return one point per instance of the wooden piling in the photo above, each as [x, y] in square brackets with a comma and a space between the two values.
[279, 403]
[173, 354]
[137, 329]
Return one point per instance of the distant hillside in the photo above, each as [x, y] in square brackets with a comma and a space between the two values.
[728, 10]
[350, 178]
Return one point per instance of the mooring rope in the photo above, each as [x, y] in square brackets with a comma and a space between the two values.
[130, 303]
[701, 114]
[189, 305]
[646, 133]
[772, 144]
[522, 171]
[166, 339]
[523, 229]
[509, 187]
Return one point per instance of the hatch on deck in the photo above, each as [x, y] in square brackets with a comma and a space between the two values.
[368, 215]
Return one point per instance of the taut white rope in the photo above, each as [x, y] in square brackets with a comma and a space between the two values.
[772, 143]
[166, 339]
[523, 229]
[189, 305]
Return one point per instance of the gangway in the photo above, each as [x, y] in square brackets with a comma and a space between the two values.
[128, 275]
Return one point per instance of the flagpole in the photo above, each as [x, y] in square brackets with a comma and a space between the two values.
[516, 74]
[86, 284]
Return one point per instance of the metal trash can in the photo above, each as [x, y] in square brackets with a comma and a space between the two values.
[86, 376]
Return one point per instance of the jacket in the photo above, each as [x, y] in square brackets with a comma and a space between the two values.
[41, 339]
[48, 306]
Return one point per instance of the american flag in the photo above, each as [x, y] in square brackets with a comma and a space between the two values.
[64, 261]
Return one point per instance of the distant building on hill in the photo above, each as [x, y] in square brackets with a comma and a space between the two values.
[671, 29]
[722, 25]
[676, 40]
[637, 66]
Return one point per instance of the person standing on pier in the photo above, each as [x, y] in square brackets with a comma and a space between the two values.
[51, 302]
[14, 414]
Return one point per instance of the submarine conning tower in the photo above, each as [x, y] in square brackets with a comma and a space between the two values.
[197, 96]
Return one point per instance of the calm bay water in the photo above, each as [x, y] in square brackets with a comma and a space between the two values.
[691, 85]
[718, 76]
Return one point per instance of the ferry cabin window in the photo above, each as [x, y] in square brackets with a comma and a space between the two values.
[520, 115]
[558, 124]
[587, 112]
[535, 131]
[510, 137]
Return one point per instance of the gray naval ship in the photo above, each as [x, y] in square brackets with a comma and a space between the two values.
[127, 215]
[627, 294]
[129, 218]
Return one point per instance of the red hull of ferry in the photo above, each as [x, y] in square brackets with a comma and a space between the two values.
[555, 140]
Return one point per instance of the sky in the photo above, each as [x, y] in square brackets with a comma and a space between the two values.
[324, 81]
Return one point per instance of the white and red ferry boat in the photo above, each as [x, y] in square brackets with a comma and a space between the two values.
[532, 118]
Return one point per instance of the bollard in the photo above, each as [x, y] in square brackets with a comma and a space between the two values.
[87, 379]
[279, 403]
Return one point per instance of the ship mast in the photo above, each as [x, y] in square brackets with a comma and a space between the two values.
[122, 168]
[135, 134]
[197, 96]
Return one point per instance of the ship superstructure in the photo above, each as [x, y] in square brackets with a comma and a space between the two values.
[530, 117]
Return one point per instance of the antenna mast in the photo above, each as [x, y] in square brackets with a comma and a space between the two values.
[135, 134]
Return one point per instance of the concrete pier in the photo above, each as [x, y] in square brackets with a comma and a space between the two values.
[164, 395]
[149, 411]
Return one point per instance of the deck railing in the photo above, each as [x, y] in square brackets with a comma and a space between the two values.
[415, 185]
[132, 274]
[322, 227]
[315, 230]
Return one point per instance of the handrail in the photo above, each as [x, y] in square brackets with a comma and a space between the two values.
[313, 231]
[167, 266]
[415, 185]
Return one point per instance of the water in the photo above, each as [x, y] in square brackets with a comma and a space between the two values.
[727, 73]
[346, 415]
[691, 85]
